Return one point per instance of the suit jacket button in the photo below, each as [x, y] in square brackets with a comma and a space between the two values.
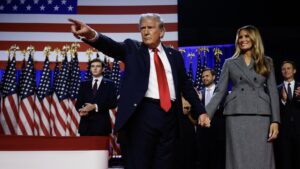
[241, 78]
[134, 104]
[255, 79]
[242, 89]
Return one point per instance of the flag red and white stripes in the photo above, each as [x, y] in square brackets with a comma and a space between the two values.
[42, 103]
[9, 108]
[117, 19]
[26, 99]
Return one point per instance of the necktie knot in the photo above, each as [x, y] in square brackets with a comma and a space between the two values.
[155, 50]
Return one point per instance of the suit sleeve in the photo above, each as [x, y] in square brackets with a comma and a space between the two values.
[273, 92]
[188, 91]
[109, 47]
[220, 91]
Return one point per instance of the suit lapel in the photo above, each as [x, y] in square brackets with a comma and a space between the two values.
[203, 96]
[240, 63]
[295, 87]
[171, 58]
[144, 53]
[101, 88]
[89, 86]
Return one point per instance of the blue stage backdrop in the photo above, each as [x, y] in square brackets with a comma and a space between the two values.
[196, 58]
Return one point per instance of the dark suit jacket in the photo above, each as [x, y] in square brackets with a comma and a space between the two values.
[136, 57]
[290, 112]
[97, 123]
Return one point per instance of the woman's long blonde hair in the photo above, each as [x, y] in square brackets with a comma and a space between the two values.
[261, 65]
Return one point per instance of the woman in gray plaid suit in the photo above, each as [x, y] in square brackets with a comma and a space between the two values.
[252, 108]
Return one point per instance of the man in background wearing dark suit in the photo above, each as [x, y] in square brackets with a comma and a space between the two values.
[96, 96]
[211, 140]
[150, 96]
[287, 147]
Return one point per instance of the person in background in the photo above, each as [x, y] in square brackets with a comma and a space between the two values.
[252, 108]
[95, 98]
[211, 140]
[288, 144]
[186, 146]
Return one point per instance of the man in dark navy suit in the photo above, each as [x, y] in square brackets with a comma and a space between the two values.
[96, 96]
[211, 140]
[287, 147]
[150, 96]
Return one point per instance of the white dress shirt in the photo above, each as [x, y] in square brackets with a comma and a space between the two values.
[292, 85]
[209, 91]
[98, 84]
[153, 91]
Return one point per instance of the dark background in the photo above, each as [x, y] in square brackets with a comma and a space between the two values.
[213, 22]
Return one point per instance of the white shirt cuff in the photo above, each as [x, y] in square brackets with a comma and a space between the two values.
[96, 109]
[283, 102]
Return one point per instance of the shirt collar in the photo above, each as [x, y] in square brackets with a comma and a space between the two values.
[159, 47]
[98, 78]
[212, 87]
[291, 82]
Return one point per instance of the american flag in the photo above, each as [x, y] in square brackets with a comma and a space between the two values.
[42, 103]
[217, 66]
[60, 103]
[9, 111]
[27, 94]
[115, 76]
[1, 89]
[55, 74]
[74, 84]
[88, 73]
[107, 71]
[190, 72]
[53, 109]
[45, 22]
[198, 81]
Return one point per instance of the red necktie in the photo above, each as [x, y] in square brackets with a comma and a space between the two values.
[164, 93]
[95, 87]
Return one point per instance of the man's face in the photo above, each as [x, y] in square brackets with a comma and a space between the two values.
[151, 33]
[288, 71]
[207, 78]
[96, 69]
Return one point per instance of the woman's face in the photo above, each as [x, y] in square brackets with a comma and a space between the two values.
[244, 41]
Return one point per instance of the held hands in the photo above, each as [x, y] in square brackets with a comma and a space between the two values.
[273, 132]
[204, 120]
[81, 30]
[86, 109]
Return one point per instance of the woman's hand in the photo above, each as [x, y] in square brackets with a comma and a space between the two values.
[273, 132]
